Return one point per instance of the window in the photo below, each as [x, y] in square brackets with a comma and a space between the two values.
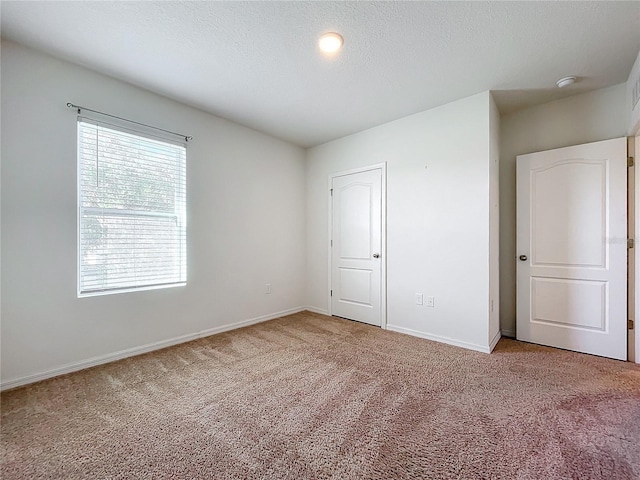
[131, 210]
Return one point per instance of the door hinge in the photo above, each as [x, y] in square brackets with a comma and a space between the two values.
[331, 191]
[331, 242]
[630, 162]
[630, 243]
[331, 293]
[630, 324]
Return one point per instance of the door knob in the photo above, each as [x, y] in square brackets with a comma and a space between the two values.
[523, 258]
[376, 255]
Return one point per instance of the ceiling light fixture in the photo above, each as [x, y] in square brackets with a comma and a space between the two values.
[330, 42]
[565, 82]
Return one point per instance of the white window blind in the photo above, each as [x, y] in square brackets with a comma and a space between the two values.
[132, 210]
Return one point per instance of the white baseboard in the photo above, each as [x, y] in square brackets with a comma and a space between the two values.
[438, 338]
[508, 333]
[317, 310]
[130, 352]
[495, 341]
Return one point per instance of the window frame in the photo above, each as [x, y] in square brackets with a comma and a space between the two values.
[179, 216]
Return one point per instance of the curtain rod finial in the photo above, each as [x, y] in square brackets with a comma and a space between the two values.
[71, 105]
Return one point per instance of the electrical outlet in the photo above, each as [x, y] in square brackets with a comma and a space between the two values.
[419, 299]
[267, 288]
[430, 302]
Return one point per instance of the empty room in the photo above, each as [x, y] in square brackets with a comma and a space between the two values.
[319, 240]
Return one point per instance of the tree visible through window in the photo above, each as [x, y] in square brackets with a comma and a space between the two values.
[132, 210]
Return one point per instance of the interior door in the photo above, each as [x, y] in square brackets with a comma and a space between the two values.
[356, 246]
[572, 248]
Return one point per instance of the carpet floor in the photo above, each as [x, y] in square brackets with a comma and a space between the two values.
[313, 397]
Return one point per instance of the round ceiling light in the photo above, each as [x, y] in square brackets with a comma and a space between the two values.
[330, 42]
[565, 82]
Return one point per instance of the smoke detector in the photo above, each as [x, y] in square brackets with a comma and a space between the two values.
[565, 82]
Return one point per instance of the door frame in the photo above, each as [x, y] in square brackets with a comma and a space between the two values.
[383, 235]
[635, 279]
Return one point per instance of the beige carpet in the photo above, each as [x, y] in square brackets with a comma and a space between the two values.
[309, 396]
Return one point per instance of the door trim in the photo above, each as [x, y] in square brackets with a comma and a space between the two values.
[383, 236]
[636, 235]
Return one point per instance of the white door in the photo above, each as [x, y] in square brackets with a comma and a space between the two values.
[356, 246]
[572, 248]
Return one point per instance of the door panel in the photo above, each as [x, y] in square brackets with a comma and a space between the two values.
[576, 303]
[355, 286]
[356, 240]
[571, 243]
[355, 220]
[568, 199]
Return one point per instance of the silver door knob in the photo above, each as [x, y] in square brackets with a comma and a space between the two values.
[376, 255]
[523, 258]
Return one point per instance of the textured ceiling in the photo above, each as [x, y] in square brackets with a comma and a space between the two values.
[257, 63]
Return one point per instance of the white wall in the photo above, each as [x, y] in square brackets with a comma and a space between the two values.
[633, 97]
[494, 221]
[437, 217]
[589, 117]
[246, 222]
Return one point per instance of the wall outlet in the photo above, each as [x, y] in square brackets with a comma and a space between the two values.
[419, 299]
[267, 288]
[430, 302]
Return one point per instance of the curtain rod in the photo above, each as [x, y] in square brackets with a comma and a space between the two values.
[79, 107]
